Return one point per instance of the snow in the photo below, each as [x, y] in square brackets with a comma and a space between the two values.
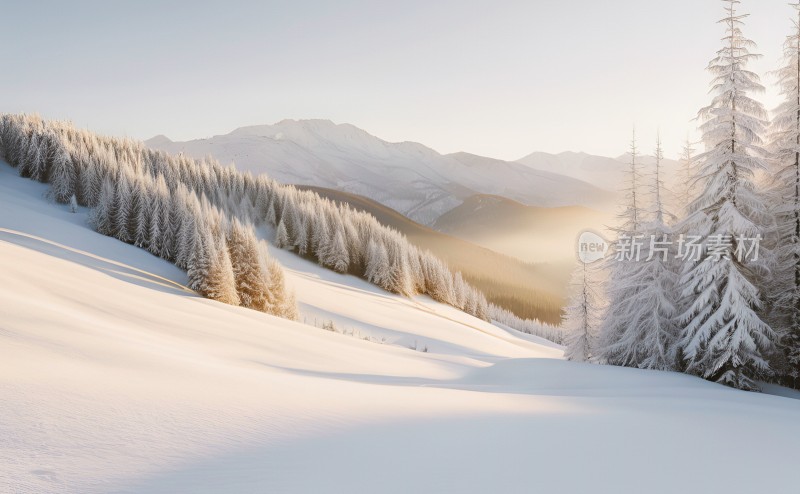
[115, 378]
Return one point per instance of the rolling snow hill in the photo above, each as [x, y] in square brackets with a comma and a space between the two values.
[407, 176]
[115, 378]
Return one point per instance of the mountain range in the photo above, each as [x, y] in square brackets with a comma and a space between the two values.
[408, 177]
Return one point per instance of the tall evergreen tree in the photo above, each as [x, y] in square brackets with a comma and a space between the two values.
[687, 177]
[248, 269]
[785, 150]
[282, 236]
[644, 330]
[210, 271]
[724, 338]
[62, 176]
[624, 267]
[337, 256]
[582, 315]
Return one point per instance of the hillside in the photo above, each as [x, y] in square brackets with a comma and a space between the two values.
[116, 378]
[408, 177]
[529, 290]
[529, 233]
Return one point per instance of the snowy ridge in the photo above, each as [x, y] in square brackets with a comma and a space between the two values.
[407, 176]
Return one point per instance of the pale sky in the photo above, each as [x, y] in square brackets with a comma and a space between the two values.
[496, 78]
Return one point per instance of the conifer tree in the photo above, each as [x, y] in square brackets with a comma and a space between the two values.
[102, 216]
[687, 177]
[724, 338]
[646, 337]
[582, 315]
[282, 236]
[377, 264]
[784, 147]
[337, 257]
[624, 273]
[219, 282]
[247, 268]
[62, 176]
[303, 236]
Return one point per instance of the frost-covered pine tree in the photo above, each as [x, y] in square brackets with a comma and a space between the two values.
[582, 315]
[338, 258]
[723, 337]
[247, 269]
[303, 236]
[30, 157]
[282, 236]
[91, 182]
[377, 264]
[281, 301]
[102, 216]
[185, 243]
[687, 176]
[622, 285]
[62, 176]
[648, 342]
[221, 283]
[210, 272]
[784, 147]
[142, 234]
[124, 201]
[400, 272]
[632, 216]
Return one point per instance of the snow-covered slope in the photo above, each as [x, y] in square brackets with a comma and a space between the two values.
[115, 379]
[407, 176]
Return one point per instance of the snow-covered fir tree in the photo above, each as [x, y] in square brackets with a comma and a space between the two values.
[644, 312]
[724, 338]
[282, 236]
[655, 320]
[62, 175]
[623, 266]
[784, 147]
[247, 268]
[210, 271]
[687, 177]
[338, 258]
[582, 315]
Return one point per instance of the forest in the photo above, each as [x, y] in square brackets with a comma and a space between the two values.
[205, 218]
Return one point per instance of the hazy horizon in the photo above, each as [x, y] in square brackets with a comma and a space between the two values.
[500, 80]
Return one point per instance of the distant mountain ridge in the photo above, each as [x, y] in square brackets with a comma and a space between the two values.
[408, 177]
[601, 171]
[529, 233]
